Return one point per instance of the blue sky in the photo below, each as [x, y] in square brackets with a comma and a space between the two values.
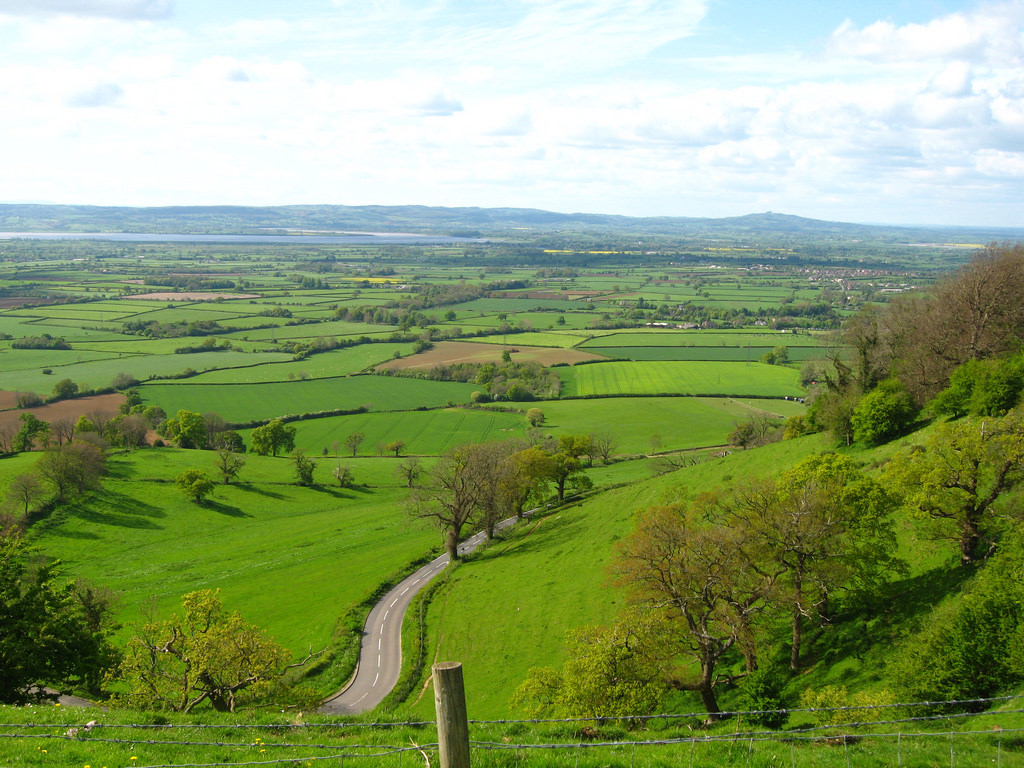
[909, 111]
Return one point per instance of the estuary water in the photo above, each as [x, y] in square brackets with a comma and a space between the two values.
[343, 238]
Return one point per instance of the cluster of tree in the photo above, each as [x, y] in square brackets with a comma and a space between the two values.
[483, 483]
[45, 341]
[202, 431]
[955, 349]
[62, 469]
[207, 345]
[516, 381]
[276, 312]
[53, 631]
[157, 330]
[791, 315]
[711, 573]
[190, 282]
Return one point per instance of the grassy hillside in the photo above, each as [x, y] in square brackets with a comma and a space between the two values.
[508, 608]
[295, 559]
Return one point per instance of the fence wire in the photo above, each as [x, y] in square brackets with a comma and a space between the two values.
[306, 753]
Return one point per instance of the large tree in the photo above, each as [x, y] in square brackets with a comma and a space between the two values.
[206, 654]
[700, 574]
[960, 477]
[70, 467]
[824, 525]
[273, 437]
[452, 494]
[46, 636]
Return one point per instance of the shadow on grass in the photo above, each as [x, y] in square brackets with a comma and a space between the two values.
[552, 532]
[117, 509]
[261, 491]
[866, 625]
[224, 509]
[58, 531]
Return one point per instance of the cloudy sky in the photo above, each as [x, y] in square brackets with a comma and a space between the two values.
[904, 111]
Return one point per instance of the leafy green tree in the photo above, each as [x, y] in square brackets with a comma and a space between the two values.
[229, 464]
[353, 441]
[64, 389]
[195, 484]
[883, 413]
[535, 417]
[191, 429]
[46, 638]
[77, 466]
[960, 477]
[823, 526]
[610, 672]
[206, 654]
[25, 490]
[273, 438]
[701, 576]
[304, 467]
[982, 388]
[32, 432]
[974, 647]
[396, 447]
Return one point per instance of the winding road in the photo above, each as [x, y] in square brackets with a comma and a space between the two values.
[380, 654]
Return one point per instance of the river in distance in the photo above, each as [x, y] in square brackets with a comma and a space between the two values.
[342, 238]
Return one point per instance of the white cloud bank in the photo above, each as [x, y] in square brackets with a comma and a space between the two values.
[561, 105]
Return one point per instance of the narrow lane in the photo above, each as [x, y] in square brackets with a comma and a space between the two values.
[380, 652]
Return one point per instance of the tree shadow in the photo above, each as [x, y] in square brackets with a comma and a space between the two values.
[117, 509]
[224, 509]
[58, 531]
[261, 491]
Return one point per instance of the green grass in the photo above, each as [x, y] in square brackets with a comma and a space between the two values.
[679, 422]
[242, 402]
[690, 338]
[423, 432]
[508, 608]
[682, 378]
[285, 738]
[731, 354]
[339, 362]
[291, 559]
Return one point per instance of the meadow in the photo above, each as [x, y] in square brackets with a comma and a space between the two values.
[293, 559]
[244, 402]
[679, 378]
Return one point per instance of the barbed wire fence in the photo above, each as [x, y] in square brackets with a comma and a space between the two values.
[689, 745]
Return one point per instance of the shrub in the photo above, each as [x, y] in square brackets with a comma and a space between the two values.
[883, 413]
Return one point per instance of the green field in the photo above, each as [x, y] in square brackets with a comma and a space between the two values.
[293, 558]
[338, 362]
[677, 422]
[679, 378]
[425, 433]
[242, 402]
[731, 354]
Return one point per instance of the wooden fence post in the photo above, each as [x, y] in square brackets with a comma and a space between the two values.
[452, 723]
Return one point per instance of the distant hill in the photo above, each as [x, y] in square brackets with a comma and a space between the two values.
[484, 222]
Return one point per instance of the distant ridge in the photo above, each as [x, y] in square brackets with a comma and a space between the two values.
[420, 219]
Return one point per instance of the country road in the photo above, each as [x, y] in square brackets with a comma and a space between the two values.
[380, 654]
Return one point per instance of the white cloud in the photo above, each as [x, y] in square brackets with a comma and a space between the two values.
[990, 34]
[100, 95]
[118, 9]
